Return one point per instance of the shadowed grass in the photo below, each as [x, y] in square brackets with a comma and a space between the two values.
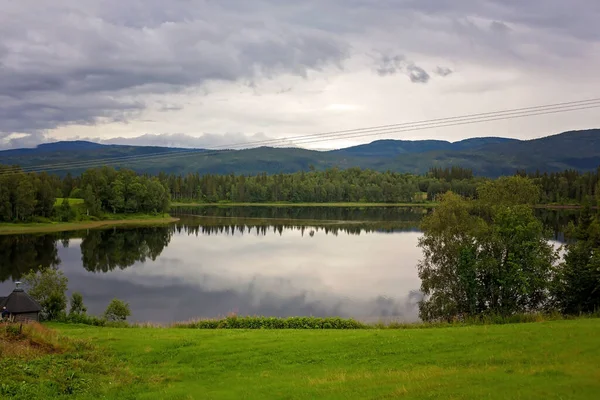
[40, 363]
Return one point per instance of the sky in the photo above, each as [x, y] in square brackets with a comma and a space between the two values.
[216, 73]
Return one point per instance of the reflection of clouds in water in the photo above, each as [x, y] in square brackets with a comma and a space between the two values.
[367, 277]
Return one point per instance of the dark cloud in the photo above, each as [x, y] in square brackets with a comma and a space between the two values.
[390, 65]
[417, 74]
[75, 63]
[443, 71]
[83, 61]
[499, 27]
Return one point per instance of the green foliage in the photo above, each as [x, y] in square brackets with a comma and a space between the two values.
[352, 185]
[484, 257]
[65, 212]
[508, 190]
[235, 322]
[577, 280]
[48, 287]
[77, 306]
[117, 310]
[25, 196]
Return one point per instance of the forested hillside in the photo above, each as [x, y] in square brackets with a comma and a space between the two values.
[491, 157]
[33, 196]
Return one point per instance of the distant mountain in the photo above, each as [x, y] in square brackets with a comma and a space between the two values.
[492, 156]
[391, 148]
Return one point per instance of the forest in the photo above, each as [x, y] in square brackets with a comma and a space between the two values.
[33, 196]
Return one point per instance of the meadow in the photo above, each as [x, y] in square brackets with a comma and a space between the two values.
[546, 360]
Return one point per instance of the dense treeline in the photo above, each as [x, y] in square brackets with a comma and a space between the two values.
[569, 186]
[25, 196]
[29, 196]
[356, 185]
[333, 185]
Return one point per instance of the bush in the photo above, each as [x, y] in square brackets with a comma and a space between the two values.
[77, 306]
[117, 310]
[235, 322]
[83, 319]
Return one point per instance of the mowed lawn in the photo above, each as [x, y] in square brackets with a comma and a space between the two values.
[549, 360]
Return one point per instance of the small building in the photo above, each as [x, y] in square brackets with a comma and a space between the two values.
[20, 306]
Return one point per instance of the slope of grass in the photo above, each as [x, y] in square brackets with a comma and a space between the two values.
[547, 360]
[39, 363]
[72, 201]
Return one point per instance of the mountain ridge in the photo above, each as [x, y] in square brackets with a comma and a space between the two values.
[488, 156]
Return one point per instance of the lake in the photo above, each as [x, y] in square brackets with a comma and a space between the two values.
[275, 261]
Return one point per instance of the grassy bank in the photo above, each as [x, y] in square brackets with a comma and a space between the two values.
[548, 360]
[284, 204]
[112, 220]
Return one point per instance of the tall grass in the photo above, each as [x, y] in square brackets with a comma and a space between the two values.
[39, 363]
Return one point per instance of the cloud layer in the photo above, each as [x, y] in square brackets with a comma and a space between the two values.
[111, 63]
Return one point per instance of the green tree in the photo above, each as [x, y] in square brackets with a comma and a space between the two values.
[509, 190]
[577, 280]
[48, 287]
[24, 203]
[480, 258]
[65, 211]
[117, 310]
[77, 306]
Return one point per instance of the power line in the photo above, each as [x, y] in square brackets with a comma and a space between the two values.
[345, 134]
[308, 138]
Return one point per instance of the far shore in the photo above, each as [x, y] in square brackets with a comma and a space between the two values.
[281, 204]
[49, 227]
[429, 204]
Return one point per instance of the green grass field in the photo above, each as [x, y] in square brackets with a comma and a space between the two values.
[112, 220]
[545, 360]
[73, 202]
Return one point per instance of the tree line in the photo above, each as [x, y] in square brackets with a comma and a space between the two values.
[570, 186]
[106, 190]
[27, 197]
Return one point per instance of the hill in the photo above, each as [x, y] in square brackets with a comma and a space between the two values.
[491, 156]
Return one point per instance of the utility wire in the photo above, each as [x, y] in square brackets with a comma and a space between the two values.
[345, 134]
[308, 138]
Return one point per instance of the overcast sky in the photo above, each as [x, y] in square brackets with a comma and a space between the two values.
[217, 72]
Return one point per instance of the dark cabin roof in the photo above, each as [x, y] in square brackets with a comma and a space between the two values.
[20, 302]
[2, 301]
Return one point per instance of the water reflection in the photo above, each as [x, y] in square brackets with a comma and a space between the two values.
[212, 265]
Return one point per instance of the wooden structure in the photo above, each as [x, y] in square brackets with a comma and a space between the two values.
[20, 306]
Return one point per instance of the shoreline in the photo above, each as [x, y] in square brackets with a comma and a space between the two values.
[333, 204]
[52, 227]
[358, 205]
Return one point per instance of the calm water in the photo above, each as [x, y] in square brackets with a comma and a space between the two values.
[279, 262]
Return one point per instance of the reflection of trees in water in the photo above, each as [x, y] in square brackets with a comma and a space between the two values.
[262, 228]
[20, 254]
[556, 221]
[413, 214]
[105, 250]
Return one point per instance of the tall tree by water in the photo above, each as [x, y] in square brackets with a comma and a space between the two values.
[485, 257]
